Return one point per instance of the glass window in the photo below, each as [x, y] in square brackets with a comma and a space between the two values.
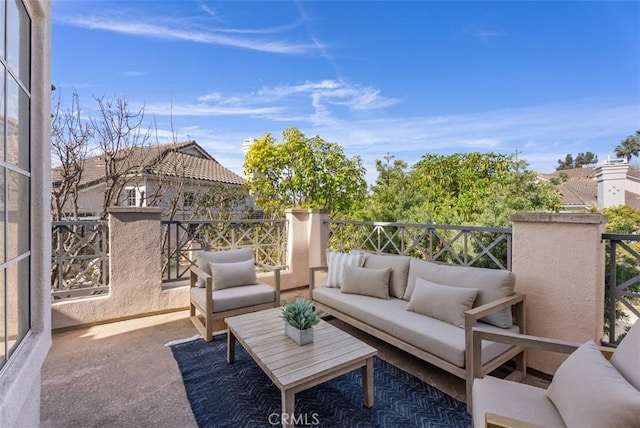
[17, 125]
[19, 41]
[131, 197]
[17, 215]
[15, 176]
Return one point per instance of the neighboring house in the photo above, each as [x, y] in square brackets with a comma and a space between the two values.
[155, 176]
[611, 184]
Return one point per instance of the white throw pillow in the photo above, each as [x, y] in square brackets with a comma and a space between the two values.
[335, 262]
[227, 275]
[589, 392]
[626, 357]
[224, 256]
[442, 302]
[365, 281]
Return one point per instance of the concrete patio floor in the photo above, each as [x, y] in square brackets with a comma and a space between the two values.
[122, 375]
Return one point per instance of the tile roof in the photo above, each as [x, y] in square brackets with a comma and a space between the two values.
[581, 188]
[185, 159]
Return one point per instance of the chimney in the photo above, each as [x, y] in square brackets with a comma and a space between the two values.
[611, 177]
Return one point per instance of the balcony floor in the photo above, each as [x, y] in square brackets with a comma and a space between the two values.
[121, 374]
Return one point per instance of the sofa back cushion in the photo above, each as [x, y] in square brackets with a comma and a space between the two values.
[366, 281]
[226, 256]
[626, 357]
[492, 284]
[399, 270]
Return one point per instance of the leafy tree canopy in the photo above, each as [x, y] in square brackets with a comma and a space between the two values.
[629, 147]
[304, 173]
[581, 159]
[463, 188]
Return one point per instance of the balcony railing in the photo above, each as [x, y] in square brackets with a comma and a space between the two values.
[462, 245]
[181, 239]
[79, 259]
[622, 284]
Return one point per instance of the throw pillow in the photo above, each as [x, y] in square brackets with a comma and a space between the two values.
[335, 262]
[365, 281]
[399, 270]
[589, 392]
[626, 358]
[225, 256]
[442, 302]
[227, 275]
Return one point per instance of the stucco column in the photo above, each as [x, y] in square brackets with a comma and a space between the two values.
[558, 260]
[135, 252]
[306, 241]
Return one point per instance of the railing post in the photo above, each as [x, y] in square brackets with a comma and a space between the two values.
[613, 291]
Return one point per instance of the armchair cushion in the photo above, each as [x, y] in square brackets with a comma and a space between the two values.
[227, 275]
[626, 358]
[335, 262]
[587, 390]
[226, 256]
[442, 302]
[235, 297]
[368, 282]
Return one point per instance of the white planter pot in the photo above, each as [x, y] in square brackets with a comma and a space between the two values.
[301, 337]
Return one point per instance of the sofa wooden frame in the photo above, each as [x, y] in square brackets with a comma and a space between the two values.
[516, 301]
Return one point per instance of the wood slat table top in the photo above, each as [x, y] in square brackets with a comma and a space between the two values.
[287, 363]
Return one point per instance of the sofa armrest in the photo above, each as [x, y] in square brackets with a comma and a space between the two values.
[276, 277]
[516, 299]
[195, 273]
[493, 420]
[312, 275]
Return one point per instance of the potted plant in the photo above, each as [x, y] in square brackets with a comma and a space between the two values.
[299, 318]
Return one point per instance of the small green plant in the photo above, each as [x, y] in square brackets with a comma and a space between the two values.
[300, 314]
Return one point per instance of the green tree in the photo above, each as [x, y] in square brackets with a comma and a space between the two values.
[390, 196]
[581, 159]
[629, 147]
[303, 172]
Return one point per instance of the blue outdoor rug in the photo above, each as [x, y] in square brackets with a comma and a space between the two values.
[240, 395]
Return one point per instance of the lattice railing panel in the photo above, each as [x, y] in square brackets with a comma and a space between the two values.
[182, 240]
[79, 259]
[467, 246]
[622, 296]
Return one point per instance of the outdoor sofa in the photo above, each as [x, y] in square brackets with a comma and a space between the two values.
[425, 308]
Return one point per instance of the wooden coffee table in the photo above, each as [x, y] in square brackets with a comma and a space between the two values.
[294, 368]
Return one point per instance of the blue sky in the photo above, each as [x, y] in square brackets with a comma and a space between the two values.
[408, 78]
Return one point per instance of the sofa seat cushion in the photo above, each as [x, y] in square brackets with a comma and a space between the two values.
[514, 400]
[436, 337]
[492, 284]
[399, 270]
[236, 297]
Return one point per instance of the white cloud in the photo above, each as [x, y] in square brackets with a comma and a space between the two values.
[177, 31]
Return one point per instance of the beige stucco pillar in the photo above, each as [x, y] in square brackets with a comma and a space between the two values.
[306, 241]
[558, 260]
[135, 274]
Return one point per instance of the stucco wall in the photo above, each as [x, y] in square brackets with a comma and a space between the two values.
[558, 260]
[135, 274]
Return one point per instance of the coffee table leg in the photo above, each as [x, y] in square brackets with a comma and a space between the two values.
[288, 407]
[231, 347]
[367, 382]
